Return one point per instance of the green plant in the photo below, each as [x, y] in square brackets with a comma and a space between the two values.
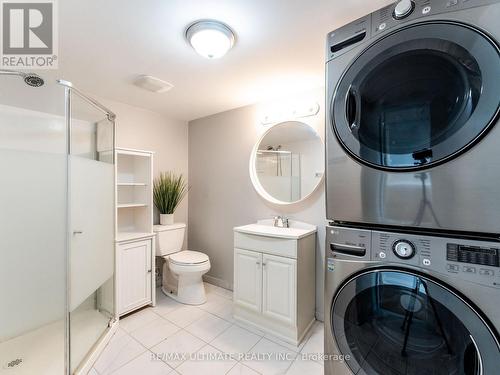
[168, 191]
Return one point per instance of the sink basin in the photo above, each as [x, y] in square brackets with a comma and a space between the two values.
[266, 228]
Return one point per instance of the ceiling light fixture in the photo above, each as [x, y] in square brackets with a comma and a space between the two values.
[211, 39]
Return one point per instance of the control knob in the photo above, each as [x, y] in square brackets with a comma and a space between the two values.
[403, 9]
[403, 249]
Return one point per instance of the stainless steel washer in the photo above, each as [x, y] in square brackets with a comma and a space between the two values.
[406, 303]
[412, 135]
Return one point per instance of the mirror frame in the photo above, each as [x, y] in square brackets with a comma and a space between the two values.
[253, 172]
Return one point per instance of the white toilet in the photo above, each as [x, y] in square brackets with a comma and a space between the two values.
[182, 270]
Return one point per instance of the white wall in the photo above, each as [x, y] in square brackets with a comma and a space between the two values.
[145, 130]
[222, 195]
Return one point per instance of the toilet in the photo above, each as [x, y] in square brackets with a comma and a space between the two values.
[182, 270]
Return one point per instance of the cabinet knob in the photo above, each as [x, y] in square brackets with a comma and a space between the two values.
[149, 271]
[257, 263]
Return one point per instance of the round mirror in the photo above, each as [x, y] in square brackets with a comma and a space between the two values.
[287, 163]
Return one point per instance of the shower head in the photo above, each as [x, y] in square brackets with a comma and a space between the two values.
[30, 79]
[33, 80]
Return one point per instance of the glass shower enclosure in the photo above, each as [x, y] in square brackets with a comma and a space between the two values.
[57, 226]
[279, 174]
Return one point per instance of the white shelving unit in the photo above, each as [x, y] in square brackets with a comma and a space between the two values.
[134, 191]
[135, 253]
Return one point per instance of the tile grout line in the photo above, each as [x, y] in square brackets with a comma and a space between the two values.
[199, 338]
[261, 337]
[232, 323]
[133, 358]
[150, 308]
[126, 333]
[129, 334]
[275, 344]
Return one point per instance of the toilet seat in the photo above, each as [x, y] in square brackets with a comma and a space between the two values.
[188, 257]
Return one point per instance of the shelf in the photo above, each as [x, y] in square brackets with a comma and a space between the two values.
[131, 184]
[134, 194]
[134, 152]
[131, 205]
[129, 236]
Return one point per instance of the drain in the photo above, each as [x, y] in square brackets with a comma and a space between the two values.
[14, 363]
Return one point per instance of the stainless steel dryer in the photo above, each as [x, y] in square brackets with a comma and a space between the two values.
[402, 303]
[413, 93]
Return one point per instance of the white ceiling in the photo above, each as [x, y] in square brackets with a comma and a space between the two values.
[105, 44]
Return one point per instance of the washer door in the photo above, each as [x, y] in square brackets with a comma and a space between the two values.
[418, 96]
[399, 322]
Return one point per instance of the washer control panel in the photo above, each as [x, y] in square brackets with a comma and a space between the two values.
[403, 9]
[474, 260]
[403, 249]
[485, 256]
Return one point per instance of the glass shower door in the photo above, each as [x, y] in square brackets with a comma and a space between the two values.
[92, 225]
[33, 231]
[56, 226]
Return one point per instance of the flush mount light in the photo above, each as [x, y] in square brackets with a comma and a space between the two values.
[211, 39]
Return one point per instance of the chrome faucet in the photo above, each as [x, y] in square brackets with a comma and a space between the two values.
[281, 222]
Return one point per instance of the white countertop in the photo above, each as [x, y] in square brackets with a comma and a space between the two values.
[265, 228]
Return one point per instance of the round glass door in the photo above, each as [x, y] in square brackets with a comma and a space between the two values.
[418, 96]
[397, 322]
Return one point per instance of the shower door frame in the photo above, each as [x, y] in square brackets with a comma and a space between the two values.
[91, 357]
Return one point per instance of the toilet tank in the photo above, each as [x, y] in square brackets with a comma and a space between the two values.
[169, 238]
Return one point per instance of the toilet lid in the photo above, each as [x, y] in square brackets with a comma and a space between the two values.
[188, 257]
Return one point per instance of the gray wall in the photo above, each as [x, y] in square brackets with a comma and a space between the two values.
[222, 195]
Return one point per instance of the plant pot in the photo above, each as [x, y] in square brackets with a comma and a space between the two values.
[166, 219]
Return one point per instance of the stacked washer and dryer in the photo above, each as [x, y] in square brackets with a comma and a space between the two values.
[412, 281]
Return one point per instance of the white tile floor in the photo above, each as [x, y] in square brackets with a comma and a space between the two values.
[201, 336]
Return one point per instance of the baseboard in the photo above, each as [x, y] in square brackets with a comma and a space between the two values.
[224, 284]
[320, 316]
[284, 331]
[88, 362]
[217, 282]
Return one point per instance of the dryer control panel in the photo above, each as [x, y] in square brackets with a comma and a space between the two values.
[385, 19]
[473, 260]
[407, 10]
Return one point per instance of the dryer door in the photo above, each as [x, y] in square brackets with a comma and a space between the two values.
[418, 96]
[398, 322]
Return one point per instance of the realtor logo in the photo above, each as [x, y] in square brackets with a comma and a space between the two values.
[29, 34]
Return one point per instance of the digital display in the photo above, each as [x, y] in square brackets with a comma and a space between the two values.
[486, 256]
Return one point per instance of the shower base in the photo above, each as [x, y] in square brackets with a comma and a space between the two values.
[41, 351]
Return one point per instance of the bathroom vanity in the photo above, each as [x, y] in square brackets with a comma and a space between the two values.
[274, 278]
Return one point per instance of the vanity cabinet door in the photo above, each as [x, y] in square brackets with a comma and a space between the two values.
[248, 279]
[134, 275]
[279, 288]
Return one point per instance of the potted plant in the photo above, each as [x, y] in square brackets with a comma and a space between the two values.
[168, 191]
